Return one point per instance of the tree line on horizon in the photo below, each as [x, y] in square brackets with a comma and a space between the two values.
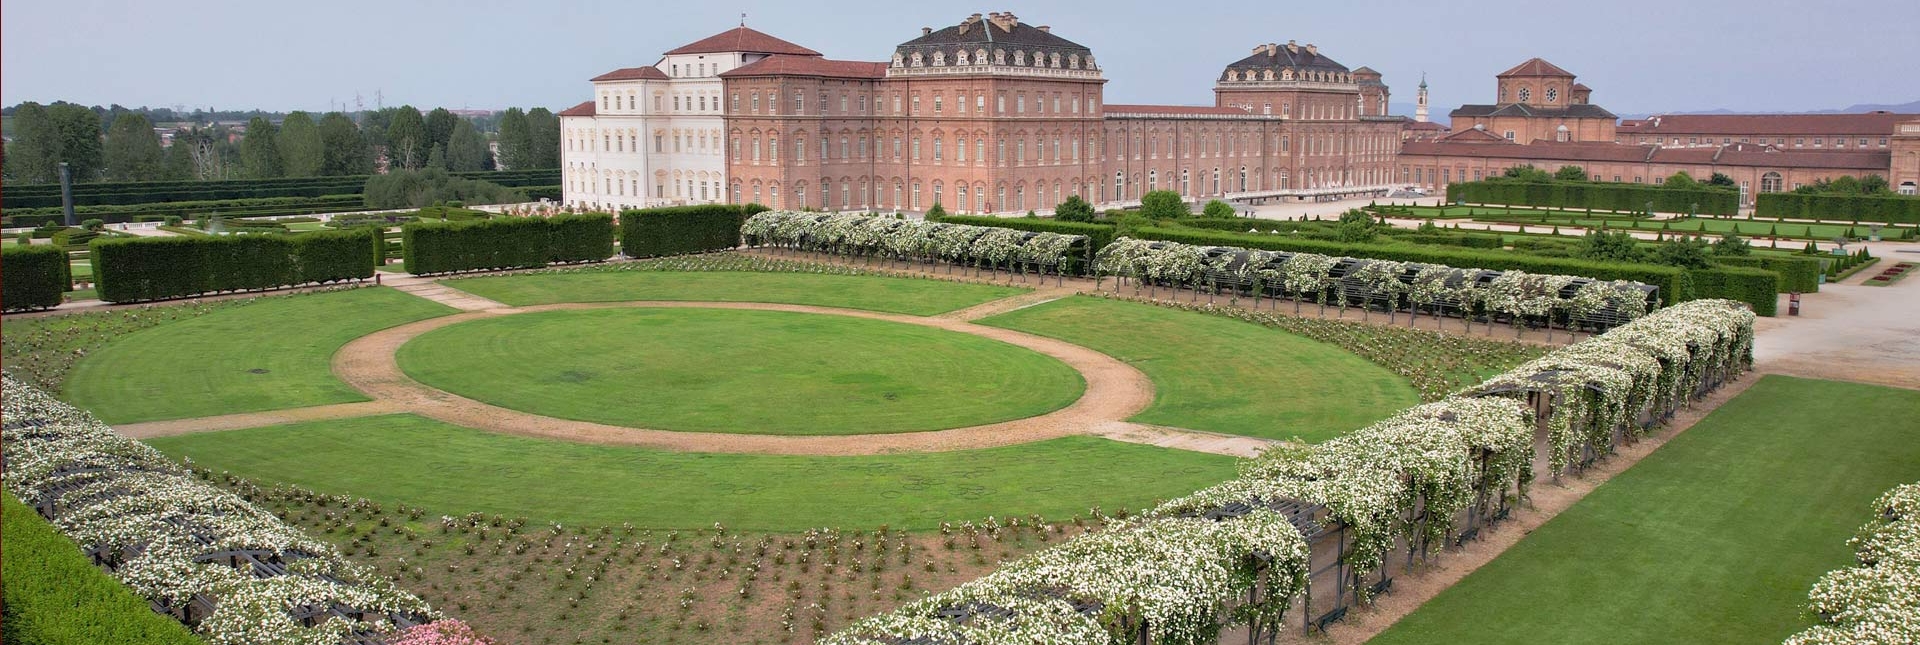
[123, 145]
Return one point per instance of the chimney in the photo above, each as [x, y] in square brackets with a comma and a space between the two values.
[926, 30]
[1312, 50]
[1273, 49]
[1292, 47]
[1260, 49]
[1047, 29]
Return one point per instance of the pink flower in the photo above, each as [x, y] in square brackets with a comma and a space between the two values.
[440, 632]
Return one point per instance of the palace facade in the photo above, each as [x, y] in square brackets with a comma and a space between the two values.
[994, 115]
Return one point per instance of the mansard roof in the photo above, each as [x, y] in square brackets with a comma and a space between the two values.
[742, 39]
[1299, 58]
[1004, 30]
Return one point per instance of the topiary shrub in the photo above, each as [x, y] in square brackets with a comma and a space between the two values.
[35, 277]
[679, 230]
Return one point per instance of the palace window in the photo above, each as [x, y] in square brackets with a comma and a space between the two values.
[1553, 94]
[1525, 95]
[936, 148]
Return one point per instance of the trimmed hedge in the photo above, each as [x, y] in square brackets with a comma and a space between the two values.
[33, 277]
[1797, 274]
[1604, 196]
[1892, 209]
[1674, 283]
[505, 243]
[54, 596]
[256, 207]
[154, 268]
[1757, 287]
[678, 230]
[1098, 235]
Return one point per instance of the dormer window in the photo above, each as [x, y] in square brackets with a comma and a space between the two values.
[1233, 75]
[960, 58]
[939, 59]
[917, 60]
[1019, 58]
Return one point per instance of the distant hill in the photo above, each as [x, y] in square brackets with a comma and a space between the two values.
[1910, 107]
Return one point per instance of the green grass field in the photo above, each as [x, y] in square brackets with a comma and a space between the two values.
[1222, 375]
[875, 293]
[451, 470]
[267, 355]
[1714, 538]
[721, 370]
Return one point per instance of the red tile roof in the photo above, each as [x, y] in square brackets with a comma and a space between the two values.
[742, 39]
[649, 73]
[1114, 108]
[1535, 67]
[1733, 155]
[1475, 135]
[781, 65]
[1769, 124]
[1425, 125]
[584, 109]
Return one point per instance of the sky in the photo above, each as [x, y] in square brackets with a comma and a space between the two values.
[1639, 56]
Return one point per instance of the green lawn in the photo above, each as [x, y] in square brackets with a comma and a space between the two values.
[268, 355]
[897, 295]
[1224, 375]
[721, 370]
[56, 597]
[1714, 538]
[452, 470]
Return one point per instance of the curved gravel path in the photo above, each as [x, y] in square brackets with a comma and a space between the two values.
[1114, 392]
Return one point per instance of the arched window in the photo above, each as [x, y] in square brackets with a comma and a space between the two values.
[962, 189]
[1770, 182]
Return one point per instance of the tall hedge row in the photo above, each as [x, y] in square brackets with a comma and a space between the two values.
[1757, 287]
[1596, 195]
[1098, 235]
[1892, 209]
[54, 596]
[40, 195]
[678, 230]
[33, 277]
[133, 269]
[1797, 274]
[506, 243]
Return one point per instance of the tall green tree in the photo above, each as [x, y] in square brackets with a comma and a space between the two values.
[466, 149]
[515, 141]
[46, 135]
[302, 153]
[407, 142]
[1680, 181]
[1164, 204]
[440, 124]
[344, 151]
[79, 129]
[1721, 180]
[1570, 173]
[543, 138]
[259, 151]
[1527, 172]
[132, 151]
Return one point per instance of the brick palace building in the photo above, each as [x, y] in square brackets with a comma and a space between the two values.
[995, 115]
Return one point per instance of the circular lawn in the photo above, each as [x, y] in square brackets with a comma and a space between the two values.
[739, 371]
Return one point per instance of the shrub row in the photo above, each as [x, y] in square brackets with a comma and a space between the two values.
[1797, 274]
[506, 243]
[1893, 209]
[152, 268]
[34, 277]
[1098, 235]
[56, 597]
[1757, 287]
[1605, 196]
[41, 195]
[679, 230]
[255, 207]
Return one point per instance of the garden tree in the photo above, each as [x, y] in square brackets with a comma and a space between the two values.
[374, 125]
[1683, 252]
[1875, 185]
[1355, 226]
[44, 136]
[1570, 173]
[543, 138]
[937, 211]
[132, 151]
[1217, 208]
[206, 149]
[418, 188]
[302, 153]
[1845, 185]
[1721, 180]
[515, 140]
[1608, 246]
[437, 157]
[1526, 172]
[344, 152]
[1074, 209]
[440, 124]
[1681, 181]
[407, 142]
[466, 149]
[259, 152]
[178, 163]
[1163, 204]
[1732, 245]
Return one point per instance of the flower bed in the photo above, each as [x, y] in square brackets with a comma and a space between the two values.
[1892, 274]
[234, 572]
[1238, 553]
[869, 235]
[1876, 602]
